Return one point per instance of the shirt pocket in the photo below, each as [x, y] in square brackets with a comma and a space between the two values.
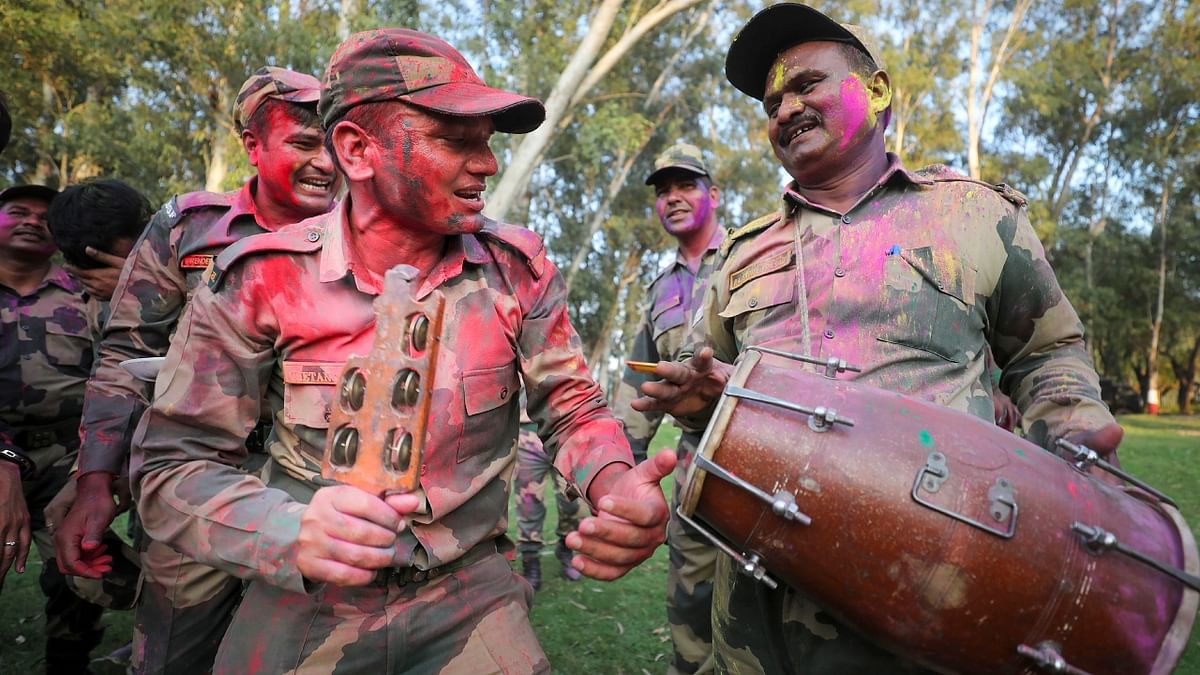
[309, 390]
[67, 346]
[930, 304]
[668, 313]
[760, 304]
[487, 396]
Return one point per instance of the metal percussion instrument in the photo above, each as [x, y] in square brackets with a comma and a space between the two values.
[379, 419]
[947, 540]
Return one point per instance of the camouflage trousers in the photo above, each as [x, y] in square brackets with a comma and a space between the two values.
[534, 474]
[472, 621]
[692, 560]
[757, 630]
[73, 626]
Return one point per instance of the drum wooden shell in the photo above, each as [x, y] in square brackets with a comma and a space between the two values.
[954, 596]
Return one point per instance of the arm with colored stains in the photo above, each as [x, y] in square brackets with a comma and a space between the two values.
[1037, 340]
[576, 426]
[640, 427]
[144, 310]
[189, 443]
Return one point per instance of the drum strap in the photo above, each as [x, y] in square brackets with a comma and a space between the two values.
[801, 288]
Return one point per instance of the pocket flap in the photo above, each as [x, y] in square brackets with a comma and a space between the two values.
[489, 388]
[764, 292]
[944, 271]
[309, 389]
[664, 304]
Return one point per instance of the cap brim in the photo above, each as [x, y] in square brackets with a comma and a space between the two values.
[657, 172]
[511, 113]
[19, 191]
[300, 96]
[771, 31]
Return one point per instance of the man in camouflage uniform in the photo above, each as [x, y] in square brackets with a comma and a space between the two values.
[45, 358]
[184, 606]
[535, 474]
[908, 275]
[408, 121]
[686, 202]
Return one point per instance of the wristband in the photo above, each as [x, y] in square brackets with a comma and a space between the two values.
[26, 465]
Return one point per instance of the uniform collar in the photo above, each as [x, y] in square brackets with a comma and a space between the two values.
[714, 243]
[243, 205]
[59, 277]
[337, 260]
[895, 172]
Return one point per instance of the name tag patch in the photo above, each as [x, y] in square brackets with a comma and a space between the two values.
[760, 268]
[196, 261]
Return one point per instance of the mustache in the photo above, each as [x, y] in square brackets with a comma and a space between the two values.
[806, 119]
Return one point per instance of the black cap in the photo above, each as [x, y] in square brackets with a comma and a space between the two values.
[774, 29]
[19, 191]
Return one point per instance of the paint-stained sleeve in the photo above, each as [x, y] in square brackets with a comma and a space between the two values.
[1038, 342]
[189, 443]
[145, 308]
[574, 421]
[639, 426]
[709, 329]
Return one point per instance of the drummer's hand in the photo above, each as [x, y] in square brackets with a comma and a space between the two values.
[347, 533]
[631, 519]
[686, 387]
[1103, 440]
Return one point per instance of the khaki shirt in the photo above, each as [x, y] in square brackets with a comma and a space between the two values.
[671, 305]
[283, 313]
[912, 285]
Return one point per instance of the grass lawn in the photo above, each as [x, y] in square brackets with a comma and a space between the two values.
[620, 627]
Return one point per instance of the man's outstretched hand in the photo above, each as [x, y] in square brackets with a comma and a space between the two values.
[630, 522]
[687, 387]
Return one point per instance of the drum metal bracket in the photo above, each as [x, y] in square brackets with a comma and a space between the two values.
[750, 565]
[1084, 457]
[1048, 659]
[820, 419]
[1099, 540]
[833, 365]
[1002, 505]
[782, 503]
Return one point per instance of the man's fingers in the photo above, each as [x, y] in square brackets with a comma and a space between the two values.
[339, 574]
[657, 467]
[24, 538]
[107, 258]
[362, 532]
[354, 502]
[403, 504]
[360, 556]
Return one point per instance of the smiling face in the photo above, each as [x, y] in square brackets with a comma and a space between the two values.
[432, 170]
[821, 115]
[295, 171]
[24, 229]
[683, 201]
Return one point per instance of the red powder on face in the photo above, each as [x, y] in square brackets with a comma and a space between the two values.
[856, 108]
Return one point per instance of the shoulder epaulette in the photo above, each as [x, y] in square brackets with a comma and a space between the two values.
[288, 240]
[177, 206]
[940, 173]
[756, 225]
[524, 240]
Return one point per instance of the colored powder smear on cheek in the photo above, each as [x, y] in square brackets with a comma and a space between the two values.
[855, 107]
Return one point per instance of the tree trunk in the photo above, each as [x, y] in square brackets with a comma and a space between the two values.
[1152, 401]
[347, 10]
[598, 359]
[1185, 372]
[218, 164]
[980, 95]
[576, 80]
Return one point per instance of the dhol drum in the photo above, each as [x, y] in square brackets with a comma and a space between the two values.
[948, 540]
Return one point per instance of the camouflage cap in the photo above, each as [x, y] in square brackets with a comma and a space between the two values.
[418, 68]
[679, 156]
[18, 191]
[774, 29]
[271, 82]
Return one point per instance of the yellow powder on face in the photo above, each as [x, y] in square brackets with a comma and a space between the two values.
[777, 76]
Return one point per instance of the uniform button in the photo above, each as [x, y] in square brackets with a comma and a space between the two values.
[753, 302]
[828, 334]
[845, 219]
[839, 272]
[314, 235]
[941, 286]
[504, 393]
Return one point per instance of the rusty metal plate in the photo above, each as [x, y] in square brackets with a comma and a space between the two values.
[381, 411]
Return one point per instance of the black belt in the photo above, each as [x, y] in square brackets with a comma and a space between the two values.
[402, 576]
[33, 438]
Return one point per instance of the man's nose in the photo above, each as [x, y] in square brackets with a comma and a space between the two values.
[789, 107]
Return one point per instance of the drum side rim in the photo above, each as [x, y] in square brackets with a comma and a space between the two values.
[714, 433]
[1177, 637]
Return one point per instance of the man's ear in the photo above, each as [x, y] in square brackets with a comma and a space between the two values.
[355, 150]
[714, 195]
[252, 147]
[879, 92]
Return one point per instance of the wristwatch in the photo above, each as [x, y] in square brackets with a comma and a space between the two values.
[26, 465]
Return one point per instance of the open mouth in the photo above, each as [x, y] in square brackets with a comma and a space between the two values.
[318, 185]
[678, 214]
[797, 130]
[473, 196]
[31, 234]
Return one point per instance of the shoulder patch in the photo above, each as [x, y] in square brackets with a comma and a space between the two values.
[940, 173]
[177, 206]
[524, 240]
[288, 240]
[756, 225]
